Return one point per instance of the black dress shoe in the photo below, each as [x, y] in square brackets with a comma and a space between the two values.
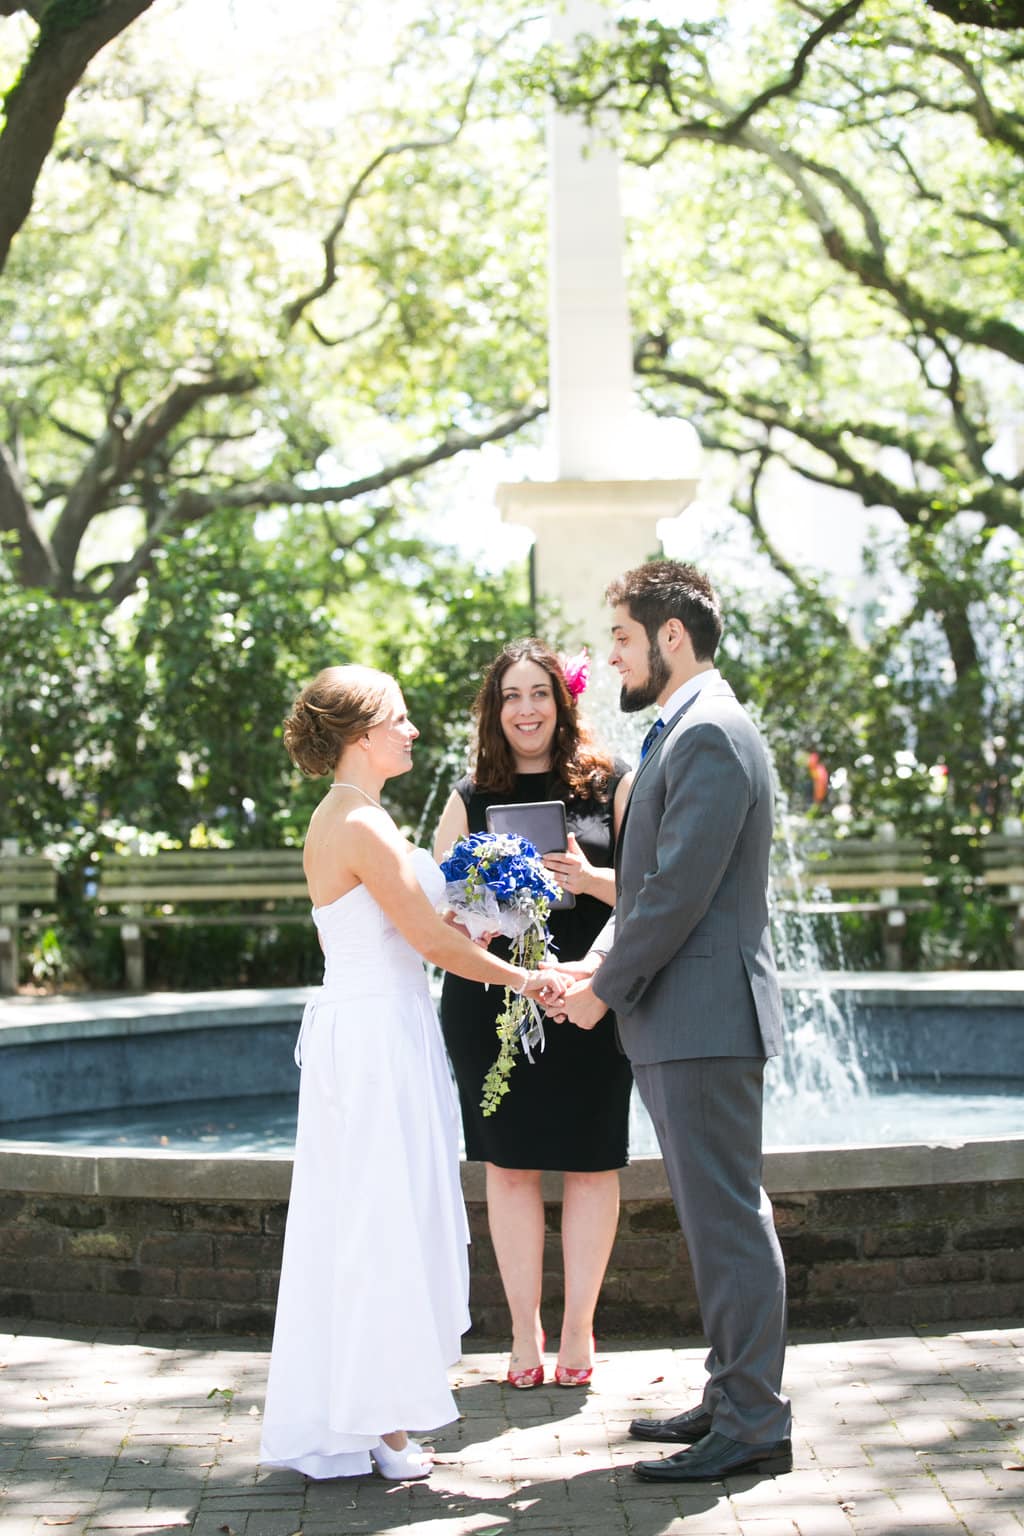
[685, 1428]
[715, 1457]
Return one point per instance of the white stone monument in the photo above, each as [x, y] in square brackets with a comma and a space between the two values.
[620, 471]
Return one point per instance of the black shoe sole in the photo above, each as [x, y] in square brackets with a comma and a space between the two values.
[768, 1465]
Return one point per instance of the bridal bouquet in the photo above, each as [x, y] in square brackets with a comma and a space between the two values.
[496, 883]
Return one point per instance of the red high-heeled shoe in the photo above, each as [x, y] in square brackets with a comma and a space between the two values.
[532, 1376]
[575, 1376]
[568, 1376]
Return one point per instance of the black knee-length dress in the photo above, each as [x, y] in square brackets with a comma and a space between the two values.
[569, 1111]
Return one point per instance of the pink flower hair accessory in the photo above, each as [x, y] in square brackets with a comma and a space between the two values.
[576, 671]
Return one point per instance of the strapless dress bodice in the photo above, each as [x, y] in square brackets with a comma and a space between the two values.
[363, 950]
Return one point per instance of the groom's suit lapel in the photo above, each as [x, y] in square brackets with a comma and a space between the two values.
[720, 688]
[670, 726]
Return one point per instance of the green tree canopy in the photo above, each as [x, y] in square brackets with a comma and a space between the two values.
[213, 308]
[827, 274]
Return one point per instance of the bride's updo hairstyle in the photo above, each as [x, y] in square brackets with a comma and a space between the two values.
[332, 712]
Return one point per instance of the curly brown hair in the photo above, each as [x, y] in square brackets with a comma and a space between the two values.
[577, 767]
[670, 589]
[335, 709]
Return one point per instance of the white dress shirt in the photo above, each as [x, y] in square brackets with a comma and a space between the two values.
[693, 685]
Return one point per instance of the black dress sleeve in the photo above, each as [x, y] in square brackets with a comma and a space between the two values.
[465, 789]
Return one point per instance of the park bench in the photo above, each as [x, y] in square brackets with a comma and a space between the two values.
[886, 869]
[26, 880]
[265, 888]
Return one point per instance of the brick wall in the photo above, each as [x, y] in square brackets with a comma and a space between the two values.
[854, 1257]
[155, 1264]
[941, 1252]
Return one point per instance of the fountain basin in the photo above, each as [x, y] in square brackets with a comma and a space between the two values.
[938, 1052]
[928, 1230]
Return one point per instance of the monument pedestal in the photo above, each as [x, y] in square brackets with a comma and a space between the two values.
[587, 532]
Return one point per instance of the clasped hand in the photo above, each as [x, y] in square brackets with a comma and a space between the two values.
[545, 986]
[577, 1002]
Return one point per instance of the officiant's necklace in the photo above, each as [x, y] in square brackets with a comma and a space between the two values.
[344, 784]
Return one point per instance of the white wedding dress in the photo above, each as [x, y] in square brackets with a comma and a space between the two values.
[375, 1277]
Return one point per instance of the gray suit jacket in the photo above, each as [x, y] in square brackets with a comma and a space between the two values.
[688, 963]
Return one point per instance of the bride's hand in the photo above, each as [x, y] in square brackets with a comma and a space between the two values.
[545, 986]
[483, 942]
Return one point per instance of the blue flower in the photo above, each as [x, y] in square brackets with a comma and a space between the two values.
[507, 867]
[495, 881]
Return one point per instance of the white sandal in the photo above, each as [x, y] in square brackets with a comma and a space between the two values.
[411, 1461]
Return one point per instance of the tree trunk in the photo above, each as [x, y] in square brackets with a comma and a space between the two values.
[71, 33]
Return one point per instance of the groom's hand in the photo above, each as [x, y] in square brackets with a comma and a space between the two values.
[579, 970]
[573, 971]
[582, 1006]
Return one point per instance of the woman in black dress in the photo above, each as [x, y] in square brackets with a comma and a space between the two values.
[568, 1111]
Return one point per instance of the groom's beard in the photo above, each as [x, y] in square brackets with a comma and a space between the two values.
[632, 699]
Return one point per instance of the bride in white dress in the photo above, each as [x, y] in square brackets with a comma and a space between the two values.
[375, 1277]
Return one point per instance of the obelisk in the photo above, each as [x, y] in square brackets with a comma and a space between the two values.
[601, 514]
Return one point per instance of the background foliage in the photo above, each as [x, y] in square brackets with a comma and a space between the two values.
[251, 331]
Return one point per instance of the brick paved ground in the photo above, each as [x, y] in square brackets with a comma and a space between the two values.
[907, 1431]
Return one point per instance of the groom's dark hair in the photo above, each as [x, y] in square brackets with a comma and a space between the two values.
[668, 589]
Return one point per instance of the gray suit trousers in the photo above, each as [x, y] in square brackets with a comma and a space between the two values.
[707, 1113]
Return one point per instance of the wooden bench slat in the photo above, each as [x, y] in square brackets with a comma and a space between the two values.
[28, 890]
[857, 852]
[868, 880]
[158, 870]
[200, 858]
[209, 920]
[235, 880]
[841, 908]
[897, 880]
[238, 891]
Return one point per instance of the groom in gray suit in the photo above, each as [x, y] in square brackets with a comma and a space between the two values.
[686, 964]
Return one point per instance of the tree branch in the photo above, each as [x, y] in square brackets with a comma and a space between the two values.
[993, 498]
[35, 561]
[297, 307]
[69, 37]
[90, 157]
[797, 70]
[192, 506]
[122, 447]
[751, 510]
[993, 125]
[1003, 15]
[277, 493]
[954, 389]
[869, 264]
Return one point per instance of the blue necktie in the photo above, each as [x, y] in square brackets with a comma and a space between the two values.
[651, 737]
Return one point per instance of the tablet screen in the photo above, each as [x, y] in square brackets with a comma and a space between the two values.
[541, 822]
